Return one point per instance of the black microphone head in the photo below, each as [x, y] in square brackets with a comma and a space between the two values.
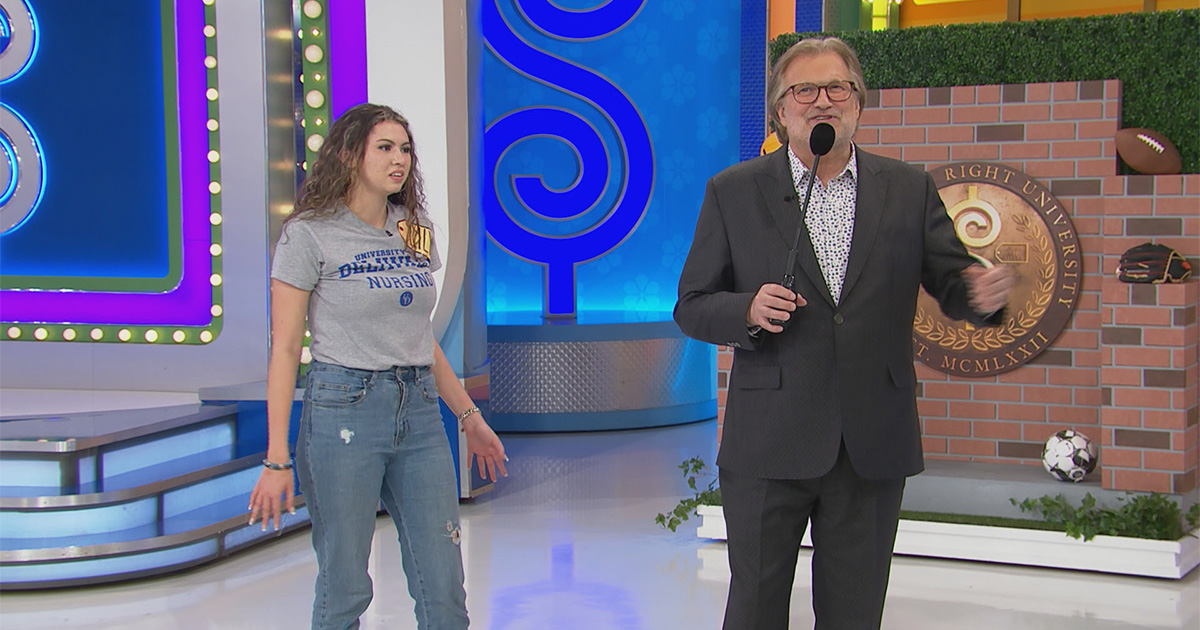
[820, 141]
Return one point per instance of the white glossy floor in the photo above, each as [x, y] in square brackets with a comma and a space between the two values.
[567, 542]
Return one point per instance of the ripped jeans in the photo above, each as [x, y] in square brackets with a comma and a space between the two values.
[367, 436]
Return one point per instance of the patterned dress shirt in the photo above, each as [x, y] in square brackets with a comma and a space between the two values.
[830, 220]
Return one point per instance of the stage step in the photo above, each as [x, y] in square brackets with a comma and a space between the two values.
[114, 495]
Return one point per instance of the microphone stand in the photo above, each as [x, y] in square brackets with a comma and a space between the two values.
[789, 274]
[820, 142]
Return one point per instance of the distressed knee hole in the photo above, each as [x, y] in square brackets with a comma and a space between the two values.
[454, 532]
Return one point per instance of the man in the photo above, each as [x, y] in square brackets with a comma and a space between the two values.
[821, 420]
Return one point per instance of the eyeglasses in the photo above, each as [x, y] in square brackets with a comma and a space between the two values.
[807, 93]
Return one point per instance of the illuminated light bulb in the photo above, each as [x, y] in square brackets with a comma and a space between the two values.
[214, 218]
[214, 187]
[316, 32]
[151, 336]
[300, 33]
[215, 279]
[312, 9]
[317, 76]
[307, 333]
[213, 125]
[305, 355]
[303, 123]
[314, 53]
[216, 310]
[314, 98]
[300, 79]
[319, 121]
[211, 94]
[209, 31]
[40, 334]
[215, 249]
[96, 334]
[210, 62]
[69, 334]
[209, 2]
[214, 156]
[206, 336]
[304, 165]
[315, 141]
[124, 334]
[179, 336]
[14, 332]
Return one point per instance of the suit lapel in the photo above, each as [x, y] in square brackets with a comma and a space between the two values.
[775, 182]
[782, 202]
[868, 211]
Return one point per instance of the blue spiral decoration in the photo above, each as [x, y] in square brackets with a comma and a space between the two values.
[560, 254]
[594, 23]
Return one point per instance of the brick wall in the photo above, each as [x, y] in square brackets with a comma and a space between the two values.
[1124, 371]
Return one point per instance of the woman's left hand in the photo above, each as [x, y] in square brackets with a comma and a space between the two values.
[485, 447]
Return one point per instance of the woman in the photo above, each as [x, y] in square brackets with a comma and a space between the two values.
[356, 257]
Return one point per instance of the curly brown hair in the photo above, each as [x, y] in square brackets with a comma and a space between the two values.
[335, 171]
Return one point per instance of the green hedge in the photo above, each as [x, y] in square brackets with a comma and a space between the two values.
[1155, 55]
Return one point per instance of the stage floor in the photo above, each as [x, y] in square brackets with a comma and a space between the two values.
[36, 402]
[568, 542]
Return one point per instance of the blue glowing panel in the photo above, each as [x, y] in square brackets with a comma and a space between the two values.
[101, 124]
[82, 522]
[110, 111]
[80, 569]
[87, 470]
[252, 533]
[130, 458]
[31, 472]
[601, 125]
[214, 490]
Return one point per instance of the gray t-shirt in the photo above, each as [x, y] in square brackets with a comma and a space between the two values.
[371, 296]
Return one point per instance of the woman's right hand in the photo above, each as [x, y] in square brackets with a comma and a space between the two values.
[274, 491]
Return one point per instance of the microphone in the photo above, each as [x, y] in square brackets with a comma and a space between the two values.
[820, 142]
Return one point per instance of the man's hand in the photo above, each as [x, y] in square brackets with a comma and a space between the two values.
[989, 288]
[773, 301]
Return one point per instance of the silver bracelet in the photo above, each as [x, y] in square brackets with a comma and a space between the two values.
[466, 414]
[273, 466]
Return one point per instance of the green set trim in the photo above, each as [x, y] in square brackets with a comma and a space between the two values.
[1154, 55]
[314, 32]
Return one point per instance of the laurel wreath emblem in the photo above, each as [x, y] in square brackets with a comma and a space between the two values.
[960, 335]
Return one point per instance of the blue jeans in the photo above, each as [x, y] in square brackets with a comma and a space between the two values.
[364, 437]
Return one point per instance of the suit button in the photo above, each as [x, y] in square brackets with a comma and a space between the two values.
[838, 319]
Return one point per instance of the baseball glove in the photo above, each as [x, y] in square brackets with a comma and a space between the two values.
[1152, 263]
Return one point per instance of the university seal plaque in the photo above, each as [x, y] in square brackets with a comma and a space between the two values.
[1004, 218]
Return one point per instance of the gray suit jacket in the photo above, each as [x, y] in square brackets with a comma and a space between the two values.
[836, 373]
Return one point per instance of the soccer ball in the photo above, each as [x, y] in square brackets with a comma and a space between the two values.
[1069, 456]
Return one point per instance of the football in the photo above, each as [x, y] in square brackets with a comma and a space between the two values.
[1069, 456]
[770, 144]
[1148, 151]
